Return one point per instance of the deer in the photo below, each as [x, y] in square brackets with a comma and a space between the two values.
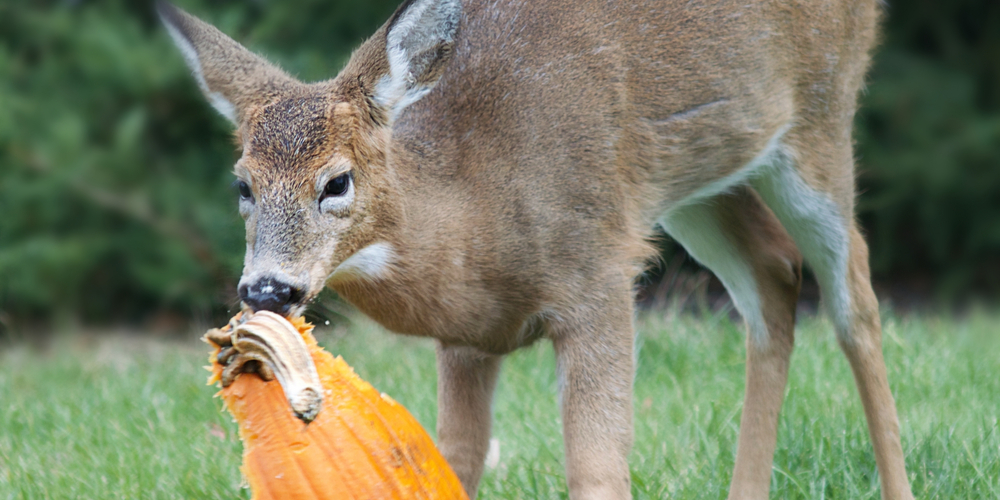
[491, 173]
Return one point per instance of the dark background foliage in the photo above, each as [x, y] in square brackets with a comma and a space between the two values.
[929, 148]
[115, 196]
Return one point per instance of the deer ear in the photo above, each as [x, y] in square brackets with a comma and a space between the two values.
[419, 40]
[232, 78]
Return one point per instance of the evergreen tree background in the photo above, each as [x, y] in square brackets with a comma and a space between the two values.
[115, 187]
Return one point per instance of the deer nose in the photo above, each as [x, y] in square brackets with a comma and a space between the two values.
[269, 294]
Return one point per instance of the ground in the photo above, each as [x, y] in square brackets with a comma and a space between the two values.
[125, 416]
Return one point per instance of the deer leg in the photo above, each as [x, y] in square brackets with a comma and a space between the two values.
[466, 379]
[739, 239]
[593, 344]
[821, 223]
[861, 341]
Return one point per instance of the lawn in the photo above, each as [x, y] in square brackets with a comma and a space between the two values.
[120, 416]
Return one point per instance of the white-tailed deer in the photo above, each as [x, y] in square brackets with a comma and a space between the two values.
[488, 173]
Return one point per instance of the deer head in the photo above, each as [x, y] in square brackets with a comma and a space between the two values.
[316, 187]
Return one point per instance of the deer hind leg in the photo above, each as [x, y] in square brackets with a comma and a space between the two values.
[739, 239]
[822, 224]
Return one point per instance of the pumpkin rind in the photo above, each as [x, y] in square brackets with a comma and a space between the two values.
[362, 444]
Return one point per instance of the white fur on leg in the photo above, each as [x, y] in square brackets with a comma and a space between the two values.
[696, 228]
[819, 229]
[693, 224]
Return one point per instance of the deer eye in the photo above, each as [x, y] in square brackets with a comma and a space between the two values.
[244, 190]
[337, 196]
[337, 186]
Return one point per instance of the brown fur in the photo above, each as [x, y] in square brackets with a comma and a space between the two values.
[518, 196]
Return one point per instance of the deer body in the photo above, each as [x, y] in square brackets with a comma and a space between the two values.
[489, 173]
[510, 186]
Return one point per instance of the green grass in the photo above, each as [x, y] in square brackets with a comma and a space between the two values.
[121, 417]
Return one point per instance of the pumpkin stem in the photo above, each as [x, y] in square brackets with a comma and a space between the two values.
[277, 346]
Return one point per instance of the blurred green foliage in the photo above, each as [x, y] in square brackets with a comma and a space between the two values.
[929, 148]
[115, 197]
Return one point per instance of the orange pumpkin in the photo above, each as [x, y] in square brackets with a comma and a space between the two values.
[361, 444]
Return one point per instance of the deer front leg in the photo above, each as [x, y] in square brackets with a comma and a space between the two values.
[594, 357]
[466, 379]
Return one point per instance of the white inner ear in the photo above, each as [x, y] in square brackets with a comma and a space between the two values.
[220, 103]
[423, 26]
